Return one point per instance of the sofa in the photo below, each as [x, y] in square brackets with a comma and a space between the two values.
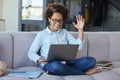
[14, 47]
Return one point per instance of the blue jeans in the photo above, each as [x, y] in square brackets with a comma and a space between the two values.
[74, 67]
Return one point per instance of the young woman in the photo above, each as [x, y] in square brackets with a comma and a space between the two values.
[56, 14]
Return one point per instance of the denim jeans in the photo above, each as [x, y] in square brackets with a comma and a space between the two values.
[74, 67]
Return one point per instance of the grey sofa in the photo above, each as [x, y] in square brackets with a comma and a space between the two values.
[14, 47]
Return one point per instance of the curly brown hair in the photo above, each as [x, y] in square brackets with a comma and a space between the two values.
[56, 7]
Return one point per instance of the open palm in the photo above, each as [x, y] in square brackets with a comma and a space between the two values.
[80, 22]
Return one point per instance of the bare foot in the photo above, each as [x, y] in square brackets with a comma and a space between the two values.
[93, 70]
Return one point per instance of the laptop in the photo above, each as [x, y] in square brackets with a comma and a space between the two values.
[62, 52]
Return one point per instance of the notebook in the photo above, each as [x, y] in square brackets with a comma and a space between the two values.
[104, 63]
[62, 52]
[34, 74]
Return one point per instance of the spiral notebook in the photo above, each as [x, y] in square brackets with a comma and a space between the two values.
[34, 74]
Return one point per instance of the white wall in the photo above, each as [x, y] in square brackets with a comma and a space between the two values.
[1, 9]
[10, 14]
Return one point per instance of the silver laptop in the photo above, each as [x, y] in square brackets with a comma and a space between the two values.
[62, 52]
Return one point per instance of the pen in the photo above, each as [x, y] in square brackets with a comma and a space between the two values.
[18, 71]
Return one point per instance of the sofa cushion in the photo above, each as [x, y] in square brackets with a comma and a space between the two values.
[82, 52]
[6, 48]
[117, 70]
[114, 40]
[45, 76]
[98, 45]
[107, 75]
[21, 42]
[116, 63]
[78, 77]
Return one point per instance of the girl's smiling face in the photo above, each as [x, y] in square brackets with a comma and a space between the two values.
[56, 21]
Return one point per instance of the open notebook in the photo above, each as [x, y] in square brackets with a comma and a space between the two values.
[34, 74]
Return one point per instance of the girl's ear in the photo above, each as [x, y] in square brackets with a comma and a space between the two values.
[49, 19]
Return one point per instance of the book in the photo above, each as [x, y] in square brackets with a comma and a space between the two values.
[104, 63]
[34, 74]
[106, 68]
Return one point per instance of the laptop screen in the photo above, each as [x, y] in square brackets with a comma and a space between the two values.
[62, 52]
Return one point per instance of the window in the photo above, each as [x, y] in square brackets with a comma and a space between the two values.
[99, 16]
[31, 16]
[32, 10]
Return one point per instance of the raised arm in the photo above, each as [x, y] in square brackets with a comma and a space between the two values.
[80, 26]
